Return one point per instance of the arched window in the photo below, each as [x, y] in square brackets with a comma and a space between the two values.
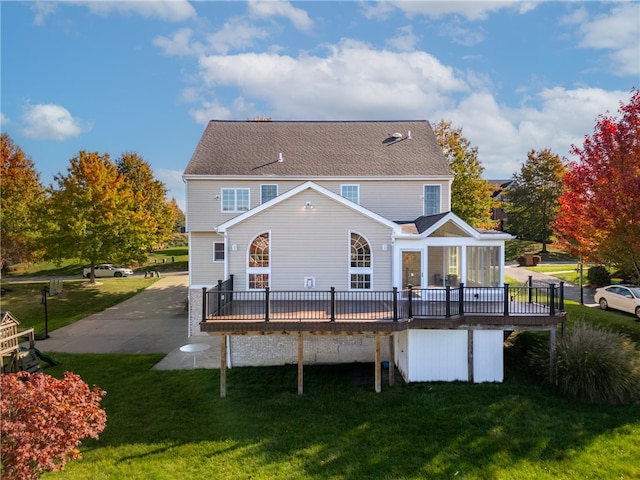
[258, 265]
[360, 263]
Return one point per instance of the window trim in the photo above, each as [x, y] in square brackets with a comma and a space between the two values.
[235, 199]
[424, 198]
[367, 271]
[342, 186]
[262, 200]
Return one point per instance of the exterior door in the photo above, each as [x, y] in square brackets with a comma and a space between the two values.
[412, 269]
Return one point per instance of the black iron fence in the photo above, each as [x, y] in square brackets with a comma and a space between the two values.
[222, 302]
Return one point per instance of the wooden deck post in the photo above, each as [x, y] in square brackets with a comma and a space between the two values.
[378, 366]
[552, 353]
[223, 366]
[300, 364]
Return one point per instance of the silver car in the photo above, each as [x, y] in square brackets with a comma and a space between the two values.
[107, 270]
[620, 297]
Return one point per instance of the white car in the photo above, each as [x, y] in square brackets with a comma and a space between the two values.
[620, 297]
[107, 270]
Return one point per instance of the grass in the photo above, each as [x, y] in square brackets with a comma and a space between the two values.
[168, 259]
[173, 424]
[80, 298]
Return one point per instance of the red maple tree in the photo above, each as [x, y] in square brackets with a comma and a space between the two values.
[599, 215]
[44, 420]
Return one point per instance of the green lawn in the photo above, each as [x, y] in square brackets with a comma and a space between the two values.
[173, 424]
[80, 298]
[168, 259]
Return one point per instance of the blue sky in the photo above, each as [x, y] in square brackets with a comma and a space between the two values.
[146, 76]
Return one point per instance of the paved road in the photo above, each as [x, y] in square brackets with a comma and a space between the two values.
[571, 292]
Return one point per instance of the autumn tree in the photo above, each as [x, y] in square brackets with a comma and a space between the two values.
[532, 197]
[20, 196]
[150, 197]
[599, 214]
[177, 214]
[92, 215]
[470, 194]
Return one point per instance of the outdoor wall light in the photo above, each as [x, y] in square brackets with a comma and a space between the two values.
[308, 205]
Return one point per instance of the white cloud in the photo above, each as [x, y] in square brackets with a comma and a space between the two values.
[471, 10]
[504, 135]
[405, 41]
[51, 122]
[236, 33]
[4, 120]
[268, 9]
[619, 32]
[180, 43]
[352, 81]
[169, 10]
[42, 11]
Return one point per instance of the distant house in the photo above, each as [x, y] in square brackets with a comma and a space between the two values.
[310, 241]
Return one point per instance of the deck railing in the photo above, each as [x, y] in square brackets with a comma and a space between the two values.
[222, 302]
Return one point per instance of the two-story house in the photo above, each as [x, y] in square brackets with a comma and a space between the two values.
[299, 208]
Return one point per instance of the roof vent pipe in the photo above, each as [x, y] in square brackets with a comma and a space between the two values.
[280, 159]
[409, 135]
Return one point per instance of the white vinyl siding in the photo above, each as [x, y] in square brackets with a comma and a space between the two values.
[306, 248]
[202, 270]
[393, 199]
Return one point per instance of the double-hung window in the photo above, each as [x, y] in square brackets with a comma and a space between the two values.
[351, 192]
[431, 199]
[235, 199]
[218, 252]
[267, 192]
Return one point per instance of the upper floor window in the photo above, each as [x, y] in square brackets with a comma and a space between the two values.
[351, 192]
[235, 199]
[267, 192]
[360, 264]
[431, 199]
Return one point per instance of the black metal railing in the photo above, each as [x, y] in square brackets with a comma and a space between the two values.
[334, 305]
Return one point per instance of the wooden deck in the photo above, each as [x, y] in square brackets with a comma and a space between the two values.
[354, 317]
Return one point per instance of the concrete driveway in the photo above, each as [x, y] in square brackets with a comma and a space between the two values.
[153, 321]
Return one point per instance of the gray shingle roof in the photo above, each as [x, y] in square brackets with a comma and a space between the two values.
[334, 149]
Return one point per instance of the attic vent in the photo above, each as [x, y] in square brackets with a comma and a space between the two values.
[397, 135]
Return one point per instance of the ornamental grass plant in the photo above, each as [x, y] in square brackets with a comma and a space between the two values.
[592, 364]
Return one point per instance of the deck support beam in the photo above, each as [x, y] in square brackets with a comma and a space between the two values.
[223, 366]
[552, 353]
[300, 364]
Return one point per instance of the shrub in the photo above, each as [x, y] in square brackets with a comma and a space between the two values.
[44, 419]
[598, 276]
[593, 365]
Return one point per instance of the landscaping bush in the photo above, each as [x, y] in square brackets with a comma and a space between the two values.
[598, 276]
[44, 420]
[593, 365]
